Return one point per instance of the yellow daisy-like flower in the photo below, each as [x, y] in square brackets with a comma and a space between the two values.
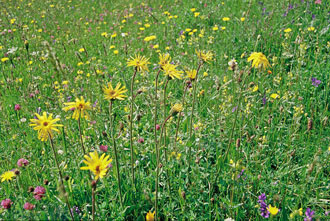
[259, 60]
[205, 56]
[7, 176]
[225, 19]
[97, 165]
[111, 93]
[191, 74]
[171, 71]
[273, 210]
[150, 216]
[139, 62]
[80, 108]
[164, 59]
[45, 126]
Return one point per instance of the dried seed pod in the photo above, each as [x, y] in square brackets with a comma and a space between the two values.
[238, 143]
[310, 124]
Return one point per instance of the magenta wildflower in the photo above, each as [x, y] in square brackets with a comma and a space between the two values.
[6, 204]
[104, 148]
[157, 127]
[39, 192]
[22, 162]
[17, 107]
[140, 140]
[28, 206]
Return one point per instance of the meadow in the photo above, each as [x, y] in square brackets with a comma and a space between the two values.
[164, 110]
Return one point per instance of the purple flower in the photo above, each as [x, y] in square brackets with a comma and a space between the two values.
[264, 100]
[140, 140]
[17, 107]
[6, 204]
[39, 192]
[309, 214]
[315, 82]
[104, 148]
[263, 206]
[28, 206]
[22, 162]
[233, 110]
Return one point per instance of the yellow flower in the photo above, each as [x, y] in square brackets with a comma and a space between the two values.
[139, 62]
[193, 9]
[177, 108]
[150, 216]
[164, 59]
[275, 96]
[204, 56]
[196, 14]
[287, 30]
[80, 108]
[150, 38]
[255, 88]
[191, 74]
[7, 176]
[4, 59]
[311, 29]
[273, 210]
[81, 50]
[215, 28]
[111, 93]
[205, 74]
[97, 165]
[104, 34]
[115, 51]
[171, 71]
[259, 60]
[296, 213]
[45, 126]
[242, 19]
[225, 19]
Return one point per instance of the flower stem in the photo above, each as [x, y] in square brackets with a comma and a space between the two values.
[156, 144]
[131, 128]
[157, 167]
[192, 111]
[112, 134]
[93, 201]
[61, 176]
[81, 138]
[179, 118]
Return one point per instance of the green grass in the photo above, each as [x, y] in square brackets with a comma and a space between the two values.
[281, 156]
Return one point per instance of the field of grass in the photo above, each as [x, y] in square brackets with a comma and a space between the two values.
[231, 124]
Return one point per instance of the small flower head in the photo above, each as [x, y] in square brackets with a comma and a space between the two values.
[104, 148]
[273, 210]
[7, 176]
[28, 206]
[177, 108]
[259, 60]
[45, 126]
[39, 192]
[164, 59]
[205, 56]
[80, 108]
[150, 216]
[295, 213]
[6, 204]
[111, 93]
[22, 162]
[97, 165]
[171, 71]
[17, 107]
[191, 74]
[139, 62]
[309, 214]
